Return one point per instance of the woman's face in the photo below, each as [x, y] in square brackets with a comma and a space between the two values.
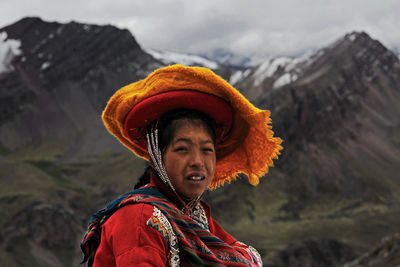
[190, 160]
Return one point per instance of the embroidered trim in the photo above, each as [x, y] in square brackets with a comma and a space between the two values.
[160, 222]
[199, 215]
[253, 253]
[155, 223]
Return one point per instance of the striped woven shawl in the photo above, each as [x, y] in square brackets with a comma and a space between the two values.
[197, 246]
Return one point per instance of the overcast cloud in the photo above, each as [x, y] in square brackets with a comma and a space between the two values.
[253, 27]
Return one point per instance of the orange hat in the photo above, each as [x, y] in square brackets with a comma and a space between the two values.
[247, 146]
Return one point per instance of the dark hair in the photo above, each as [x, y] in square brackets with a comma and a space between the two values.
[167, 126]
[144, 178]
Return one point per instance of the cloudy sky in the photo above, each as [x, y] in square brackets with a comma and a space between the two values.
[246, 27]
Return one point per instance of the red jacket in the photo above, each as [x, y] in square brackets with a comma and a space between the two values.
[128, 240]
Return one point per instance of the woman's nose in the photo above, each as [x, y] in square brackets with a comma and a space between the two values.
[196, 160]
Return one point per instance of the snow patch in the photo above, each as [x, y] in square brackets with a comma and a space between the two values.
[268, 68]
[285, 79]
[239, 75]
[352, 37]
[9, 48]
[305, 60]
[291, 67]
[60, 30]
[184, 59]
[86, 27]
[45, 65]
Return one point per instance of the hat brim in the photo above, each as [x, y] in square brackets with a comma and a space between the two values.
[154, 107]
[250, 146]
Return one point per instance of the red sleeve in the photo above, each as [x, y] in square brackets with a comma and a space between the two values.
[127, 240]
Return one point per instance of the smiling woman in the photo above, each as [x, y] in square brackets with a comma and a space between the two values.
[197, 132]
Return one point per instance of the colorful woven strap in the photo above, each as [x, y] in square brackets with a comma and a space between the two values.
[197, 245]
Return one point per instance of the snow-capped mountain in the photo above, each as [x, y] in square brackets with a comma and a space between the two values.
[283, 70]
[215, 59]
[168, 58]
[273, 73]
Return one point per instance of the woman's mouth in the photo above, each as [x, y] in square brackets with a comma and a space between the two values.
[195, 178]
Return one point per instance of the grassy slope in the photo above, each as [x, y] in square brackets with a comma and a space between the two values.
[33, 176]
[267, 217]
[359, 219]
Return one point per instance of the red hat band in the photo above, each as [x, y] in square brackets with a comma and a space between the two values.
[152, 108]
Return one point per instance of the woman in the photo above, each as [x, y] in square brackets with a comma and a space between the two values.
[198, 132]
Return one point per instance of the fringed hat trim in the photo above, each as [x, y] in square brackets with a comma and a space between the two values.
[250, 146]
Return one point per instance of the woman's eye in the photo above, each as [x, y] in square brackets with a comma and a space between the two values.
[208, 150]
[180, 149]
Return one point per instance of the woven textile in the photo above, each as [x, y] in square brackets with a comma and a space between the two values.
[197, 246]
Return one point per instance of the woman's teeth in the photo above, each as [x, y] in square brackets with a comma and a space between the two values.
[196, 178]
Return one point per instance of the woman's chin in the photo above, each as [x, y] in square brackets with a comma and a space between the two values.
[188, 198]
[190, 193]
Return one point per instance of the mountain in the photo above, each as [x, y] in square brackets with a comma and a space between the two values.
[228, 65]
[227, 58]
[170, 58]
[54, 150]
[332, 196]
[338, 175]
[58, 60]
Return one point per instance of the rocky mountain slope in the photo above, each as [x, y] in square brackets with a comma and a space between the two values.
[386, 253]
[63, 76]
[51, 135]
[338, 176]
[334, 193]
